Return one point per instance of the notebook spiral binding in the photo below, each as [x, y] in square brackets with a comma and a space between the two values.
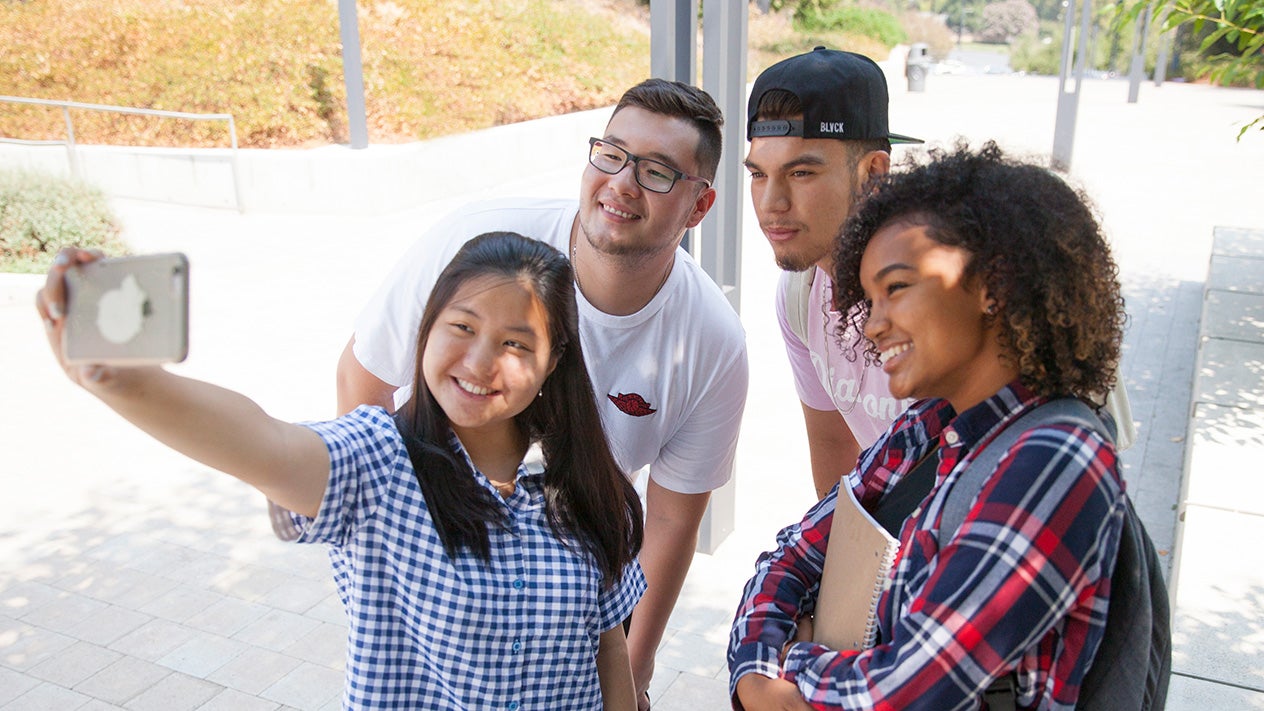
[880, 585]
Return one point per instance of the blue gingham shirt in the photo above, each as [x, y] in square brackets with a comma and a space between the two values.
[430, 631]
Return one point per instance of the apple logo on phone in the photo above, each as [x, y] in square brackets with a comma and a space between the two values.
[122, 311]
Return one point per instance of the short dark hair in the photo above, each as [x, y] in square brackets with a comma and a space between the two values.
[782, 105]
[587, 496]
[1033, 240]
[682, 101]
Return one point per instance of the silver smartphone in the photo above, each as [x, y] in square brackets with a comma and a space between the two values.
[128, 310]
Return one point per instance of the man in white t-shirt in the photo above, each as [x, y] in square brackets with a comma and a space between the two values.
[818, 137]
[666, 352]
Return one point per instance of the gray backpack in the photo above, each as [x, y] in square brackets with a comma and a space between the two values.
[1130, 670]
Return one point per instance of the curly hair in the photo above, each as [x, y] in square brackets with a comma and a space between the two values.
[1034, 242]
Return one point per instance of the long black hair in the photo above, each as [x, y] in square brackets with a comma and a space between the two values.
[587, 497]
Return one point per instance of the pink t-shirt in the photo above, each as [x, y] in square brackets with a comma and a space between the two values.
[824, 376]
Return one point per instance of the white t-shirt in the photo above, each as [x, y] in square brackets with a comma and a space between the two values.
[826, 378]
[670, 379]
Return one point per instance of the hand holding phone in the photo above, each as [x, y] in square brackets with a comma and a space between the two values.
[127, 311]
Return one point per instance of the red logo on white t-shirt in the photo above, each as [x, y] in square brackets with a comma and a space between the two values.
[632, 404]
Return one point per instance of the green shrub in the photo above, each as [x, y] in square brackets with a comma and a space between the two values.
[1036, 55]
[865, 21]
[41, 213]
[1039, 52]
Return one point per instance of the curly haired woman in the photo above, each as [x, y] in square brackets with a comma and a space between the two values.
[985, 288]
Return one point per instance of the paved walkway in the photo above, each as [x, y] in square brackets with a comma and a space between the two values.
[133, 578]
[1218, 622]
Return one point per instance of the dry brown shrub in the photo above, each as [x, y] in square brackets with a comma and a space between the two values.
[431, 67]
[924, 27]
[771, 37]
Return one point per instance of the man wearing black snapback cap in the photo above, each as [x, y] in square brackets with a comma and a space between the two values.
[817, 125]
[819, 140]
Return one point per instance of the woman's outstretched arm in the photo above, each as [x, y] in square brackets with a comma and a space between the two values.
[218, 427]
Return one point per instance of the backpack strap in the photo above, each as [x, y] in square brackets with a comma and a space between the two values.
[1120, 412]
[970, 482]
[907, 494]
[1001, 695]
[798, 287]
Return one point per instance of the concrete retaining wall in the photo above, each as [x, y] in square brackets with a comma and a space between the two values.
[324, 180]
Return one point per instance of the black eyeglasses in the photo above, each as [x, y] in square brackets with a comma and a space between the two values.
[650, 174]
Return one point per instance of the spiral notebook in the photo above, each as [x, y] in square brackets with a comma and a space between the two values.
[858, 563]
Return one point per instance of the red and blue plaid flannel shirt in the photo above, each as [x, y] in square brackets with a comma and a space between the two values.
[1023, 585]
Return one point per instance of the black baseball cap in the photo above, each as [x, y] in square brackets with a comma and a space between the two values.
[844, 96]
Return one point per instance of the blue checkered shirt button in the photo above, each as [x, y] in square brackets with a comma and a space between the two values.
[517, 646]
[519, 584]
[513, 706]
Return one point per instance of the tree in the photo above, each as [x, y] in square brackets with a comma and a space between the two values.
[1234, 40]
[1048, 9]
[1005, 20]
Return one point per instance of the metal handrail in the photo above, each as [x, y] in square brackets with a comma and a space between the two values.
[66, 106]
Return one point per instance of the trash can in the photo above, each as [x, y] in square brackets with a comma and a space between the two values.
[917, 66]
